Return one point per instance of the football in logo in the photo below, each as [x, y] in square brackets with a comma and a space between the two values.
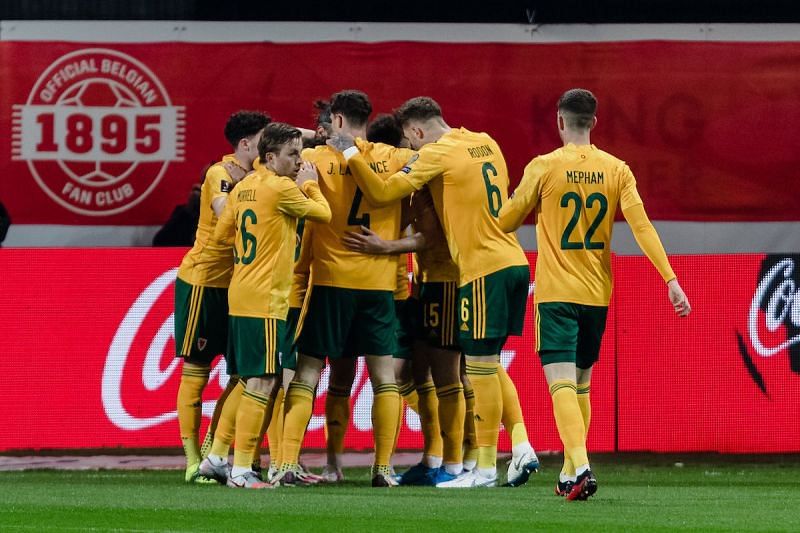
[98, 131]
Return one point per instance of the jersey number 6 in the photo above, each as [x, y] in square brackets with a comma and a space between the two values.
[249, 241]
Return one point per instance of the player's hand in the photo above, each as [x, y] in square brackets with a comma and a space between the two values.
[366, 242]
[678, 298]
[307, 172]
[234, 171]
[341, 142]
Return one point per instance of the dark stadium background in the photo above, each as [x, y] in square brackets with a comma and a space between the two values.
[542, 12]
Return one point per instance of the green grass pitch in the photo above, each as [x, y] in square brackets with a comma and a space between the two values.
[639, 493]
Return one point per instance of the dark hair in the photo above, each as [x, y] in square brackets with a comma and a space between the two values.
[419, 108]
[275, 136]
[579, 107]
[385, 129]
[243, 124]
[354, 105]
[323, 114]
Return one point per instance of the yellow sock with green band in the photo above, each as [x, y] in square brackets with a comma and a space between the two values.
[190, 404]
[569, 420]
[250, 419]
[337, 418]
[488, 411]
[452, 409]
[275, 431]
[470, 441]
[385, 411]
[299, 405]
[226, 427]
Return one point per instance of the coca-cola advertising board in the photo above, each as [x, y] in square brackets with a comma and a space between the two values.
[87, 343]
[116, 134]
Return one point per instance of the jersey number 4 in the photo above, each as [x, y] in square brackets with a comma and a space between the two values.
[352, 217]
[588, 243]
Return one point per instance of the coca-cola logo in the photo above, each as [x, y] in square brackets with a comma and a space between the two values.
[774, 309]
[151, 372]
[152, 375]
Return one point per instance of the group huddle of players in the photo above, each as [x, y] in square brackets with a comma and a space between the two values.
[300, 258]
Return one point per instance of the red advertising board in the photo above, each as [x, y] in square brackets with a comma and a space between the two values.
[115, 134]
[86, 338]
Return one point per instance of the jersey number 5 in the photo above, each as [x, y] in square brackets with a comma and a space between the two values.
[249, 241]
[352, 217]
[587, 243]
[492, 191]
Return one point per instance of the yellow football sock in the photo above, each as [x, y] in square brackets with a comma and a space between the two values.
[205, 447]
[452, 409]
[409, 393]
[488, 410]
[582, 391]
[569, 420]
[337, 418]
[384, 421]
[275, 431]
[470, 441]
[253, 410]
[409, 396]
[512, 411]
[586, 413]
[267, 423]
[299, 404]
[429, 420]
[190, 404]
[226, 427]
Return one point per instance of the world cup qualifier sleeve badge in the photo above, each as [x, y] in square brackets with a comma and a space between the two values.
[98, 131]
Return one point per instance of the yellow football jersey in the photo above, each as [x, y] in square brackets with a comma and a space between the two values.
[333, 264]
[433, 262]
[468, 178]
[211, 271]
[575, 192]
[401, 290]
[260, 220]
[302, 263]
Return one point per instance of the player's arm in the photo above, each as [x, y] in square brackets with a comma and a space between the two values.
[377, 191]
[368, 242]
[308, 203]
[221, 179]
[526, 197]
[302, 268]
[647, 239]
[225, 230]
